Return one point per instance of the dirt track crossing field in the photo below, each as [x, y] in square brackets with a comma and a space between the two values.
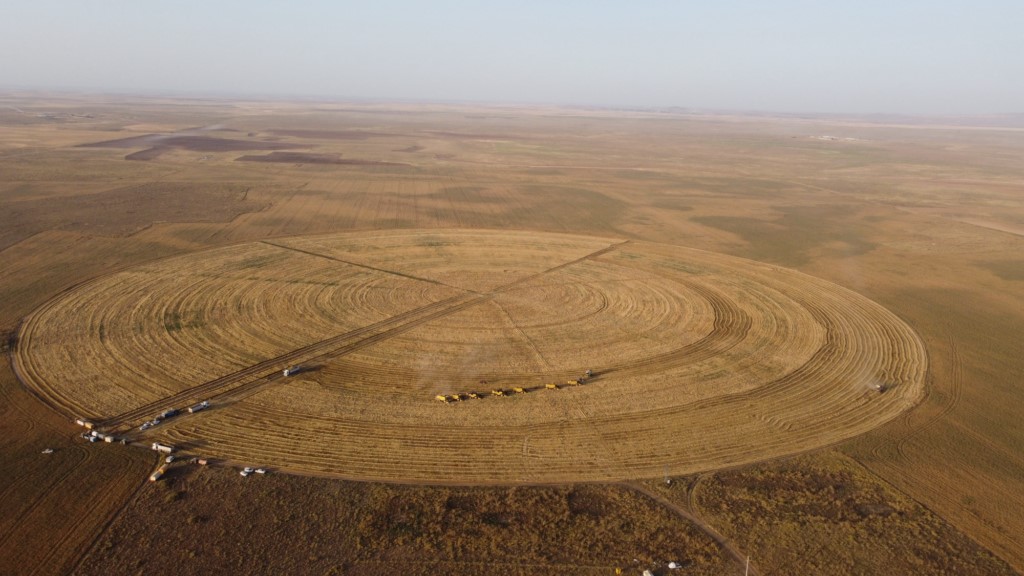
[701, 360]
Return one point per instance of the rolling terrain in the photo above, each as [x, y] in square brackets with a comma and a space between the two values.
[699, 360]
[896, 248]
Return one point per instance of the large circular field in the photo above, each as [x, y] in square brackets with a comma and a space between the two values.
[700, 360]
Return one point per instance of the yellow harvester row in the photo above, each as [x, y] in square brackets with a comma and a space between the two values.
[501, 392]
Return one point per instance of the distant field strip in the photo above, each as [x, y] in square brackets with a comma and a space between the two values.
[701, 360]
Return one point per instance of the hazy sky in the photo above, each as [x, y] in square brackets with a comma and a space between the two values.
[913, 56]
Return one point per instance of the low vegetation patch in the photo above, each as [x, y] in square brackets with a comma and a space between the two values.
[825, 514]
[282, 524]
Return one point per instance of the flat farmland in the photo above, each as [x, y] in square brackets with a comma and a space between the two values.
[739, 284]
[732, 360]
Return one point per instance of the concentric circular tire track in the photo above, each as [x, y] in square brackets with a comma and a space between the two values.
[702, 360]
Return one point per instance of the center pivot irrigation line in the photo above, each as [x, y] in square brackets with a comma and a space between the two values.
[232, 385]
[357, 264]
[273, 365]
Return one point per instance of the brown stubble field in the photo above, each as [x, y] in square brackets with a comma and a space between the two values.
[701, 360]
[923, 218]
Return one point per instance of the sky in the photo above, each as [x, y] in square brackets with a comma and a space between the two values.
[800, 56]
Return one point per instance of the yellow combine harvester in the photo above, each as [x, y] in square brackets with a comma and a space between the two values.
[458, 397]
[449, 398]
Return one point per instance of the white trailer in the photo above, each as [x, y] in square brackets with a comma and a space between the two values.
[162, 448]
[201, 406]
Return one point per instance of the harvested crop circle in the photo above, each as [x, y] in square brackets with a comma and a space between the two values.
[403, 341]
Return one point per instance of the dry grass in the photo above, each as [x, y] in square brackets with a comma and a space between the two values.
[925, 220]
[38, 528]
[828, 515]
[359, 528]
[702, 360]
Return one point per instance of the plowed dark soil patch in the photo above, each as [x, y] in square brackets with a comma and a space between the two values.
[310, 158]
[132, 142]
[471, 136]
[329, 134]
[194, 143]
[147, 154]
